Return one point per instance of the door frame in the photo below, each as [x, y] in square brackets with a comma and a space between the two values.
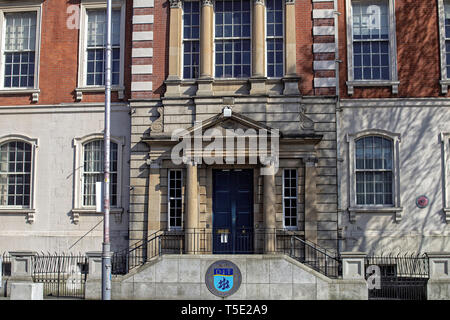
[233, 233]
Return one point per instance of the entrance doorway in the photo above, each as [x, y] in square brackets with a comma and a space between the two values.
[233, 211]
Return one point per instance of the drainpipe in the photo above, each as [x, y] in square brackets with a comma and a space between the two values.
[338, 123]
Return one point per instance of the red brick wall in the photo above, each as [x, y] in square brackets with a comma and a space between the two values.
[303, 14]
[418, 55]
[58, 71]
[160, 46]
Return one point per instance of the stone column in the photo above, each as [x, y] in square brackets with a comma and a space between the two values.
[206, 49]
[438, 286]
[269, 209]
[154, 204]
[257, 80]
[291, 78]
[191, 218]
[174, 78]
[310, 200]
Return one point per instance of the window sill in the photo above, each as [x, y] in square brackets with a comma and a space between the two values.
[372, 83]
[34, 92]
[373, 209]
[80, 90]
[91, 211]
[28, 211]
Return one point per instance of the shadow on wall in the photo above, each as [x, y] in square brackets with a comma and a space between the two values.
[420, 162]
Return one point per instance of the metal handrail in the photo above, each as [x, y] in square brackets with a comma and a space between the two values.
[201, 240]
[315, 257]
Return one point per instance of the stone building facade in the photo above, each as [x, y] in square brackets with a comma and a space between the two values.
[297, 100]
[394, 92]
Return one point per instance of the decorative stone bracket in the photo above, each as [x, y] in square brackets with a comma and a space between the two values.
[158, 124]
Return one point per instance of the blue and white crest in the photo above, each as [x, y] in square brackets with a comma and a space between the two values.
[223, 279]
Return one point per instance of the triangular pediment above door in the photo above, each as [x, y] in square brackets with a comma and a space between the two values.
[235, 121]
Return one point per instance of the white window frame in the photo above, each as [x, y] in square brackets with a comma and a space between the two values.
[296, 200]
[230, 38]
[78, 144]
[445, 80]
[190, 40]
[82, 87]
[393, 82]
[396, 207]
[169, 198]
[15, 8]
[445, 140]
[31, 209]
[272, 37]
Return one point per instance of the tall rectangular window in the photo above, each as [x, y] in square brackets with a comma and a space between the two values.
[15, 174]
[232, 38]
[96, 47]
[371, 59]
[93, 171]
[447, 36]
[20, 49]
[274, 27]
[290, 198]
[175, 199]
[374, 176]
[191, 39]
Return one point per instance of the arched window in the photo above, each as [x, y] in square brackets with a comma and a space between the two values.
[93, 171]
[15, 174]
[374, 171]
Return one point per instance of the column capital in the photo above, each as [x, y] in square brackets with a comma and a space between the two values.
[290, 1]
[262, 2]
[207, 3]
[189, 161]
[175, 4]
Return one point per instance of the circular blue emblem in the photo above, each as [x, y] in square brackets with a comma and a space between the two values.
[223, 278]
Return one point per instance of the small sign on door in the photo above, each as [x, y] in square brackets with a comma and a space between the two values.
[224, 238]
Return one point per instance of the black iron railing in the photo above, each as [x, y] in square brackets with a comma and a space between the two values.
[63, 275]
[6, 264]
[219, 241]
[401, 277]
[318, 258]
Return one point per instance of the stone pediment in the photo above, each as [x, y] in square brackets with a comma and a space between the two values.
[234, 122]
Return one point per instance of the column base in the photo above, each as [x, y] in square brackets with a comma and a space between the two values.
[291, 86]
[173, 85]
[258, 85]
[205, 87]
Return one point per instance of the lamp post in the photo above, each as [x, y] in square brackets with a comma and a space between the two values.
[106, 254]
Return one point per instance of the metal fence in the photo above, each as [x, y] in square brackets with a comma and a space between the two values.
[63, 275]
[402, 276]
[242, 241]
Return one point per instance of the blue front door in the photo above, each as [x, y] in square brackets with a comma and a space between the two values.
[233, 211]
